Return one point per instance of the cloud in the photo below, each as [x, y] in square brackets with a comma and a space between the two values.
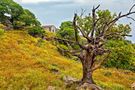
[35, 1]
[51, 1]
[83, 1]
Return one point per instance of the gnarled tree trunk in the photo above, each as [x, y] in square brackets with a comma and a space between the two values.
[87, 76]
[87, 62]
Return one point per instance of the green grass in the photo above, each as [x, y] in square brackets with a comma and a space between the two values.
[27, 63]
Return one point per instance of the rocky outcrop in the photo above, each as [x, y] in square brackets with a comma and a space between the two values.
[74, 84]
[87, 86]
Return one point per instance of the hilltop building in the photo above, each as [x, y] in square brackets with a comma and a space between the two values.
[50, 28]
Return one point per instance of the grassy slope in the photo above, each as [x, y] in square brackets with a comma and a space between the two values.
[26, 63]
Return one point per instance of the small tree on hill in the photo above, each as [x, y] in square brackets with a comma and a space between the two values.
[97, 28]
[13, 15]
[66, 31]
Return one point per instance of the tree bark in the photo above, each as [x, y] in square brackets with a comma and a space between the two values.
[87, 76]
[87, 69]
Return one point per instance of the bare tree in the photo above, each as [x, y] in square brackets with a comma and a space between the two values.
[95, 41]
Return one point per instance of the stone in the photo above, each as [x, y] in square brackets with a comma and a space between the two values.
[87, 86]
[133, 86]
[51, 88]
[69, 79]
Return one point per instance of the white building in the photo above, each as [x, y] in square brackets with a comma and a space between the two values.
[50, 28]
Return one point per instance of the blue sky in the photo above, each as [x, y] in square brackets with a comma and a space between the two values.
[56, 11]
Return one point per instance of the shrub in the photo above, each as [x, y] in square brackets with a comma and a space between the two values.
[40, 42]
[54, 68]
[63, 50]
[121, 55]
[19, 25]
[1, 32]
[36, 31]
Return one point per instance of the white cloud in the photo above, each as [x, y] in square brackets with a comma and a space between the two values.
[33, 1]
[36, 1]
[39, 1]
[83, 1]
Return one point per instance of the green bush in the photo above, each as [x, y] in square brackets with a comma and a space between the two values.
[63, 49]
[122, 55]
[1, 32]
[36, 31]
[18, 25]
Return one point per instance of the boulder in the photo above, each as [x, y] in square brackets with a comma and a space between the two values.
[87, 86]
[68, 79]
[133, 86]
[73, 84]
[51, 88]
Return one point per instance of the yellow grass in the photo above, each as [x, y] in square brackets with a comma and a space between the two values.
[26, 63]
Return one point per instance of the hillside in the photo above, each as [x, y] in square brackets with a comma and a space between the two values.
[28, 63]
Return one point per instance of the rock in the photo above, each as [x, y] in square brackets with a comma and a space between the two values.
[87, 86]
[51, 88]
[133, 86]
[69, 79]
[73, 82]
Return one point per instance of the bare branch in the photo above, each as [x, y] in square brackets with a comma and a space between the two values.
[121, 16]
[76, 31]
[97, 7]
[117, 33]
[100, 63]
[75, 28]
[64, 40]
[82, 12]
[73, 52]
[94, 20]
[112, 22]
[131, 18]
[131, 8]
[82, 32]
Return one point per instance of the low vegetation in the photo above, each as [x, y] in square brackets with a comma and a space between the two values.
[36, 31]
[31, 63]
[32, 58]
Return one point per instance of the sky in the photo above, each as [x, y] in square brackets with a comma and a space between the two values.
[56, 11]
